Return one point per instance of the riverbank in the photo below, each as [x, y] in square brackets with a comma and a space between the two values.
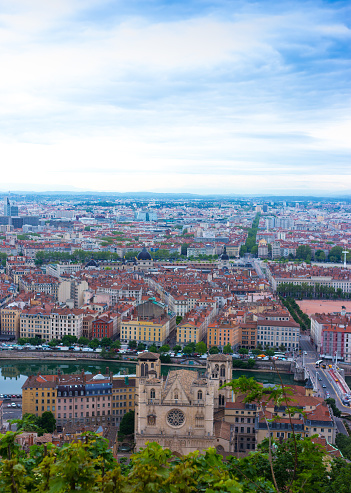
[281, 366]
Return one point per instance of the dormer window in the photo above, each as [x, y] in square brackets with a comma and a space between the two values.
[199, 395]
[152, 394]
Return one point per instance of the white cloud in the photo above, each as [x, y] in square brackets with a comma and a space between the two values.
[198, 102]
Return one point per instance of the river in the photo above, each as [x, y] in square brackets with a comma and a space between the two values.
[15, 372]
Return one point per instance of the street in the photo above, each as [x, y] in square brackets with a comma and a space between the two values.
[319, 374]
[11, 412]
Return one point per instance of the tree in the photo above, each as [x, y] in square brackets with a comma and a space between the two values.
[243, 350]
[132, 344]
[127, 423]
[269, 352]
[319, 256]
[178, 319]
[94, 343]
[200, 348]
[153, 348]
[214, 350]
[227, 349]
[47, 422]
[116, 344]
[54, 342]
[177, 348]
[188, 349]
[303, 252]
[83, 341]
[68, 340]
[28, 423]
[184, 249]
[335, 254]
[165, 358]
[141, 346]
[165, 348]
[105, 342]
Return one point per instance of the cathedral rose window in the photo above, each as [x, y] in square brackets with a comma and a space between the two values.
[175, 417]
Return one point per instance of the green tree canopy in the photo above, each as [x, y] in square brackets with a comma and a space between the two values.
[214, 350]
[227, 349]
[200, 348]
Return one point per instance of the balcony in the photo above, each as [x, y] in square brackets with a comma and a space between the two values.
[156, 402]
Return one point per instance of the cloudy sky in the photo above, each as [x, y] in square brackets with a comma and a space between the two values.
[162, 95]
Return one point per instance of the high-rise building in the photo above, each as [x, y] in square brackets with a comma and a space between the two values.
[10, 210]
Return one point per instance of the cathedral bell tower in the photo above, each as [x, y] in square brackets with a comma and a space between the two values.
[219, 372]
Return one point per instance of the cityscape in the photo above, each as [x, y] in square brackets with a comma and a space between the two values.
[175, 246]
[180, 293]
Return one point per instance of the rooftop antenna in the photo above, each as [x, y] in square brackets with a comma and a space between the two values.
[345, 252]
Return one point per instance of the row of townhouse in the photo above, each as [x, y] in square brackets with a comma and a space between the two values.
[272, 328]
[39, 283]
[118, 291]
[334, 277]
[181, 302]
[83, 399]
[49, 321]
[331, 334]
[311, 417]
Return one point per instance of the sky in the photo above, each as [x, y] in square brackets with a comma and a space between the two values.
[200, 96]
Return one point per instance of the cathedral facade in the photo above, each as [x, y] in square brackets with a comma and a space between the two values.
[179, 411]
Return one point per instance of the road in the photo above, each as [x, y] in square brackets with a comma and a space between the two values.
[256, 265]
[11, 412]
[324, 383]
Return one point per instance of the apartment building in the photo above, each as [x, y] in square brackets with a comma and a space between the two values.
[39, 394]
[326, 321]
[335, 277]
[123, 396]
[37, 321]
[67, 321]
[102, 327]
[147, 331]
[248, 335]
[242, 417]
[275, 333]
[221, 333]
[39, 283]
[251, 427]
[84, 398]
[193, 327]
[10, 320]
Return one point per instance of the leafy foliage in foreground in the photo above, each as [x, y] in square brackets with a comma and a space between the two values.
[88, 466]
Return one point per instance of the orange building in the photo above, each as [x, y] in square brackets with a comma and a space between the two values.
[222, 334]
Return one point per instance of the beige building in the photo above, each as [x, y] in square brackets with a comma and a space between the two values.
[123, 396]
[179, 412]
[39, 394]
[10, 320]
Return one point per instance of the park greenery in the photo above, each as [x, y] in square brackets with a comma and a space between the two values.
[46, 423]
[297, 314]
[78, 256]
[250, 243]
[293, 465]
[304, 290]
[69, 340]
